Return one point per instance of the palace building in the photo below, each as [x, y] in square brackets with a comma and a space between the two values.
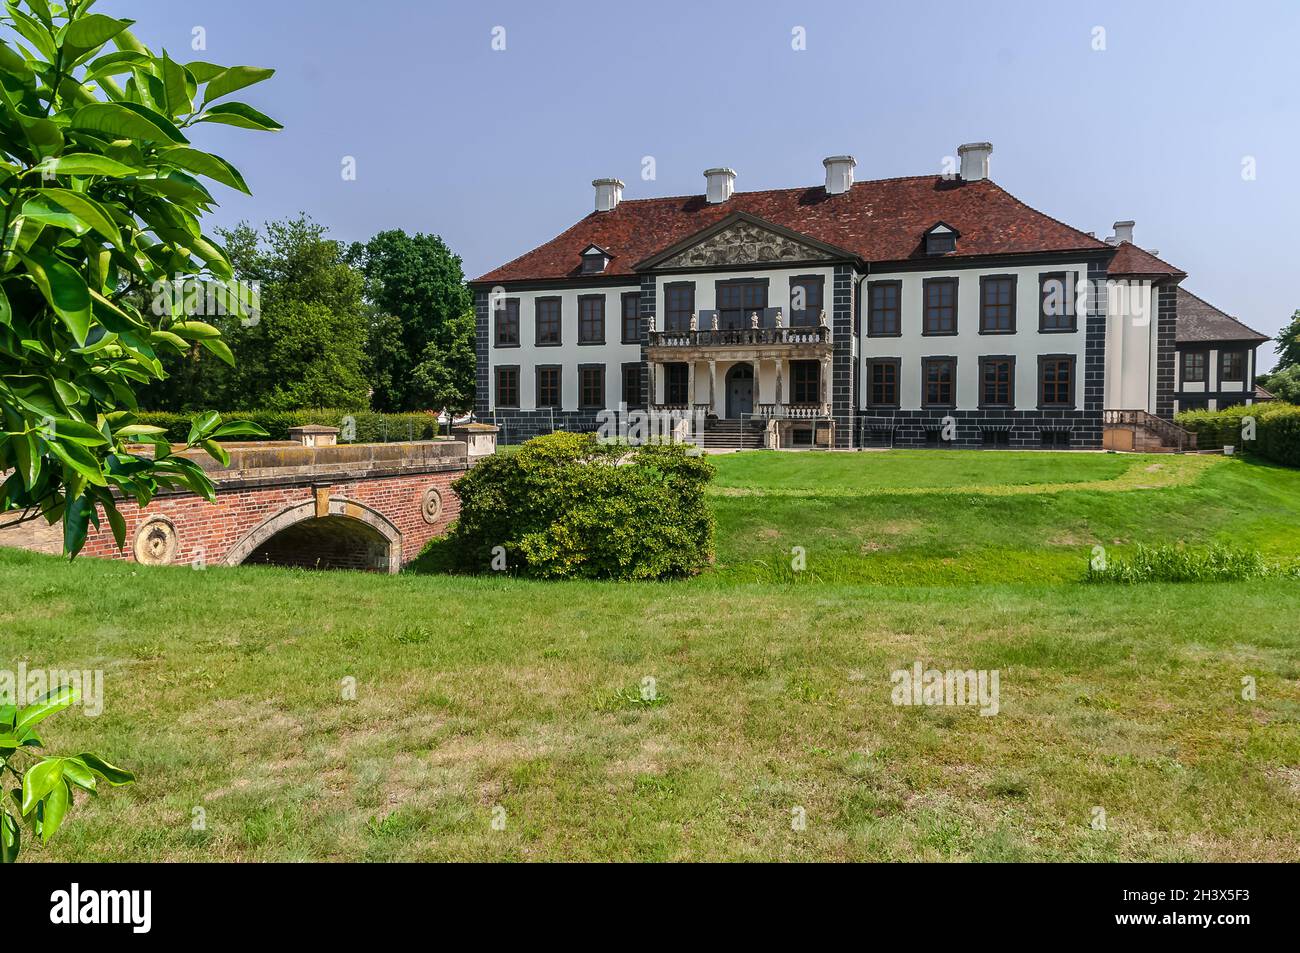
[932, 310]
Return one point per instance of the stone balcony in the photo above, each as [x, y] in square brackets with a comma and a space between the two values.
[812, 343]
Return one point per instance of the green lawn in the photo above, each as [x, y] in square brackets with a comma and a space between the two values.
[223, 687]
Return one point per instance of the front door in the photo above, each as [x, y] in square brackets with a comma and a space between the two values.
[740, 390]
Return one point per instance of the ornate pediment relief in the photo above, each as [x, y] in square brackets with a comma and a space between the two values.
[743, 243]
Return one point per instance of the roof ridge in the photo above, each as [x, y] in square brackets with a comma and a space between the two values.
[790, 188]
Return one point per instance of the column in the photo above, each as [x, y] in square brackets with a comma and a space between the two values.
[780, 361]
[652, 391]
[758, 367]
[690, 384]
[826, 376]
[713, 386]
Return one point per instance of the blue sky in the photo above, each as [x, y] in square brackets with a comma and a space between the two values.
[496, 150]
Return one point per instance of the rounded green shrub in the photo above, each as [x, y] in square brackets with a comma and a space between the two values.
[567, 506]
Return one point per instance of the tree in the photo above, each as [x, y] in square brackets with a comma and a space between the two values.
[425, 360]
[1284, 384]
[306, 347]
[102, 199]
[1288, 344]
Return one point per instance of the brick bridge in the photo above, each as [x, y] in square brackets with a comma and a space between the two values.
[349, 506]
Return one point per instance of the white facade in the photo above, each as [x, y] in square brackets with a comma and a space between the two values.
[968, 345]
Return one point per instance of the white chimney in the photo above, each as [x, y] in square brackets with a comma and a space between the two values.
[975, 160]
[721, 183]
[839, 173]
[1123, 233]
[609, 192]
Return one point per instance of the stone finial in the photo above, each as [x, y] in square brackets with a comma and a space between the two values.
[753, 320]
[695, 321]
[780, 318]
[314, 435]
[650, 322]
[821, 318]
[713, 321]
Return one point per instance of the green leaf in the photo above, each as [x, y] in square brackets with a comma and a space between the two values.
[125, 121]
[78, 432]
[76, 771]
[39, 781]
[194, 330]
[113, 775]
[52, 702]
[202, 426]
[64, 289]
[216, 451]
[234, 78]
[86, 163]
[241, 115]
[204, 72]
[239, 428]
[28, 457]
[204, 163]
[81, 461]
[89, 211]
[11, 836]
[177, 85]
[56, 808]
[92, 30]
[220, 349]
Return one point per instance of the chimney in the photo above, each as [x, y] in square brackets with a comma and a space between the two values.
[975, 160]
[839, 173]
[609, 192]
[721, 183]
[1123, 233]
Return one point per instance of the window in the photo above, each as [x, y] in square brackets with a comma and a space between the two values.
[548, 385]
[677, 384]
[507, 386]
[997, 381]
[632, 385]
[940, 377]
[1054, 439]
[940, 296]
[883, 308]
[1056, 380]
[1232, 366]
[882, 382]
[508, 323]
[679, 305]
[806, 301]
[1194, 366]
[993, 439]
[997, 304]
[594, 260]
[591, 319]
[547, 316]
[805, 382]
[1056, 311]
[591, 385]
[737, 300]
[1198, 403]
[632, 317]
[940, 242]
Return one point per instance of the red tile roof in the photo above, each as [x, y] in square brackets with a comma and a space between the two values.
[1131, 260]
[881, 220]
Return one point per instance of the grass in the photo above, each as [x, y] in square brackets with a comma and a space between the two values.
[688, 721]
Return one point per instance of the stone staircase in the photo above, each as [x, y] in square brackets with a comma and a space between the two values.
[1141, 432]
[722, 434]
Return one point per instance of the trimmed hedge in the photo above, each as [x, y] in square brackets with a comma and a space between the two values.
[567, 506]
[1277, 430]
[371, 427]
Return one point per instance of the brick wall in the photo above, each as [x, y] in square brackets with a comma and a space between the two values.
[211, 530]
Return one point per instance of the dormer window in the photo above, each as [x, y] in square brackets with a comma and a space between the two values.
[940, 239]
[594, 260]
